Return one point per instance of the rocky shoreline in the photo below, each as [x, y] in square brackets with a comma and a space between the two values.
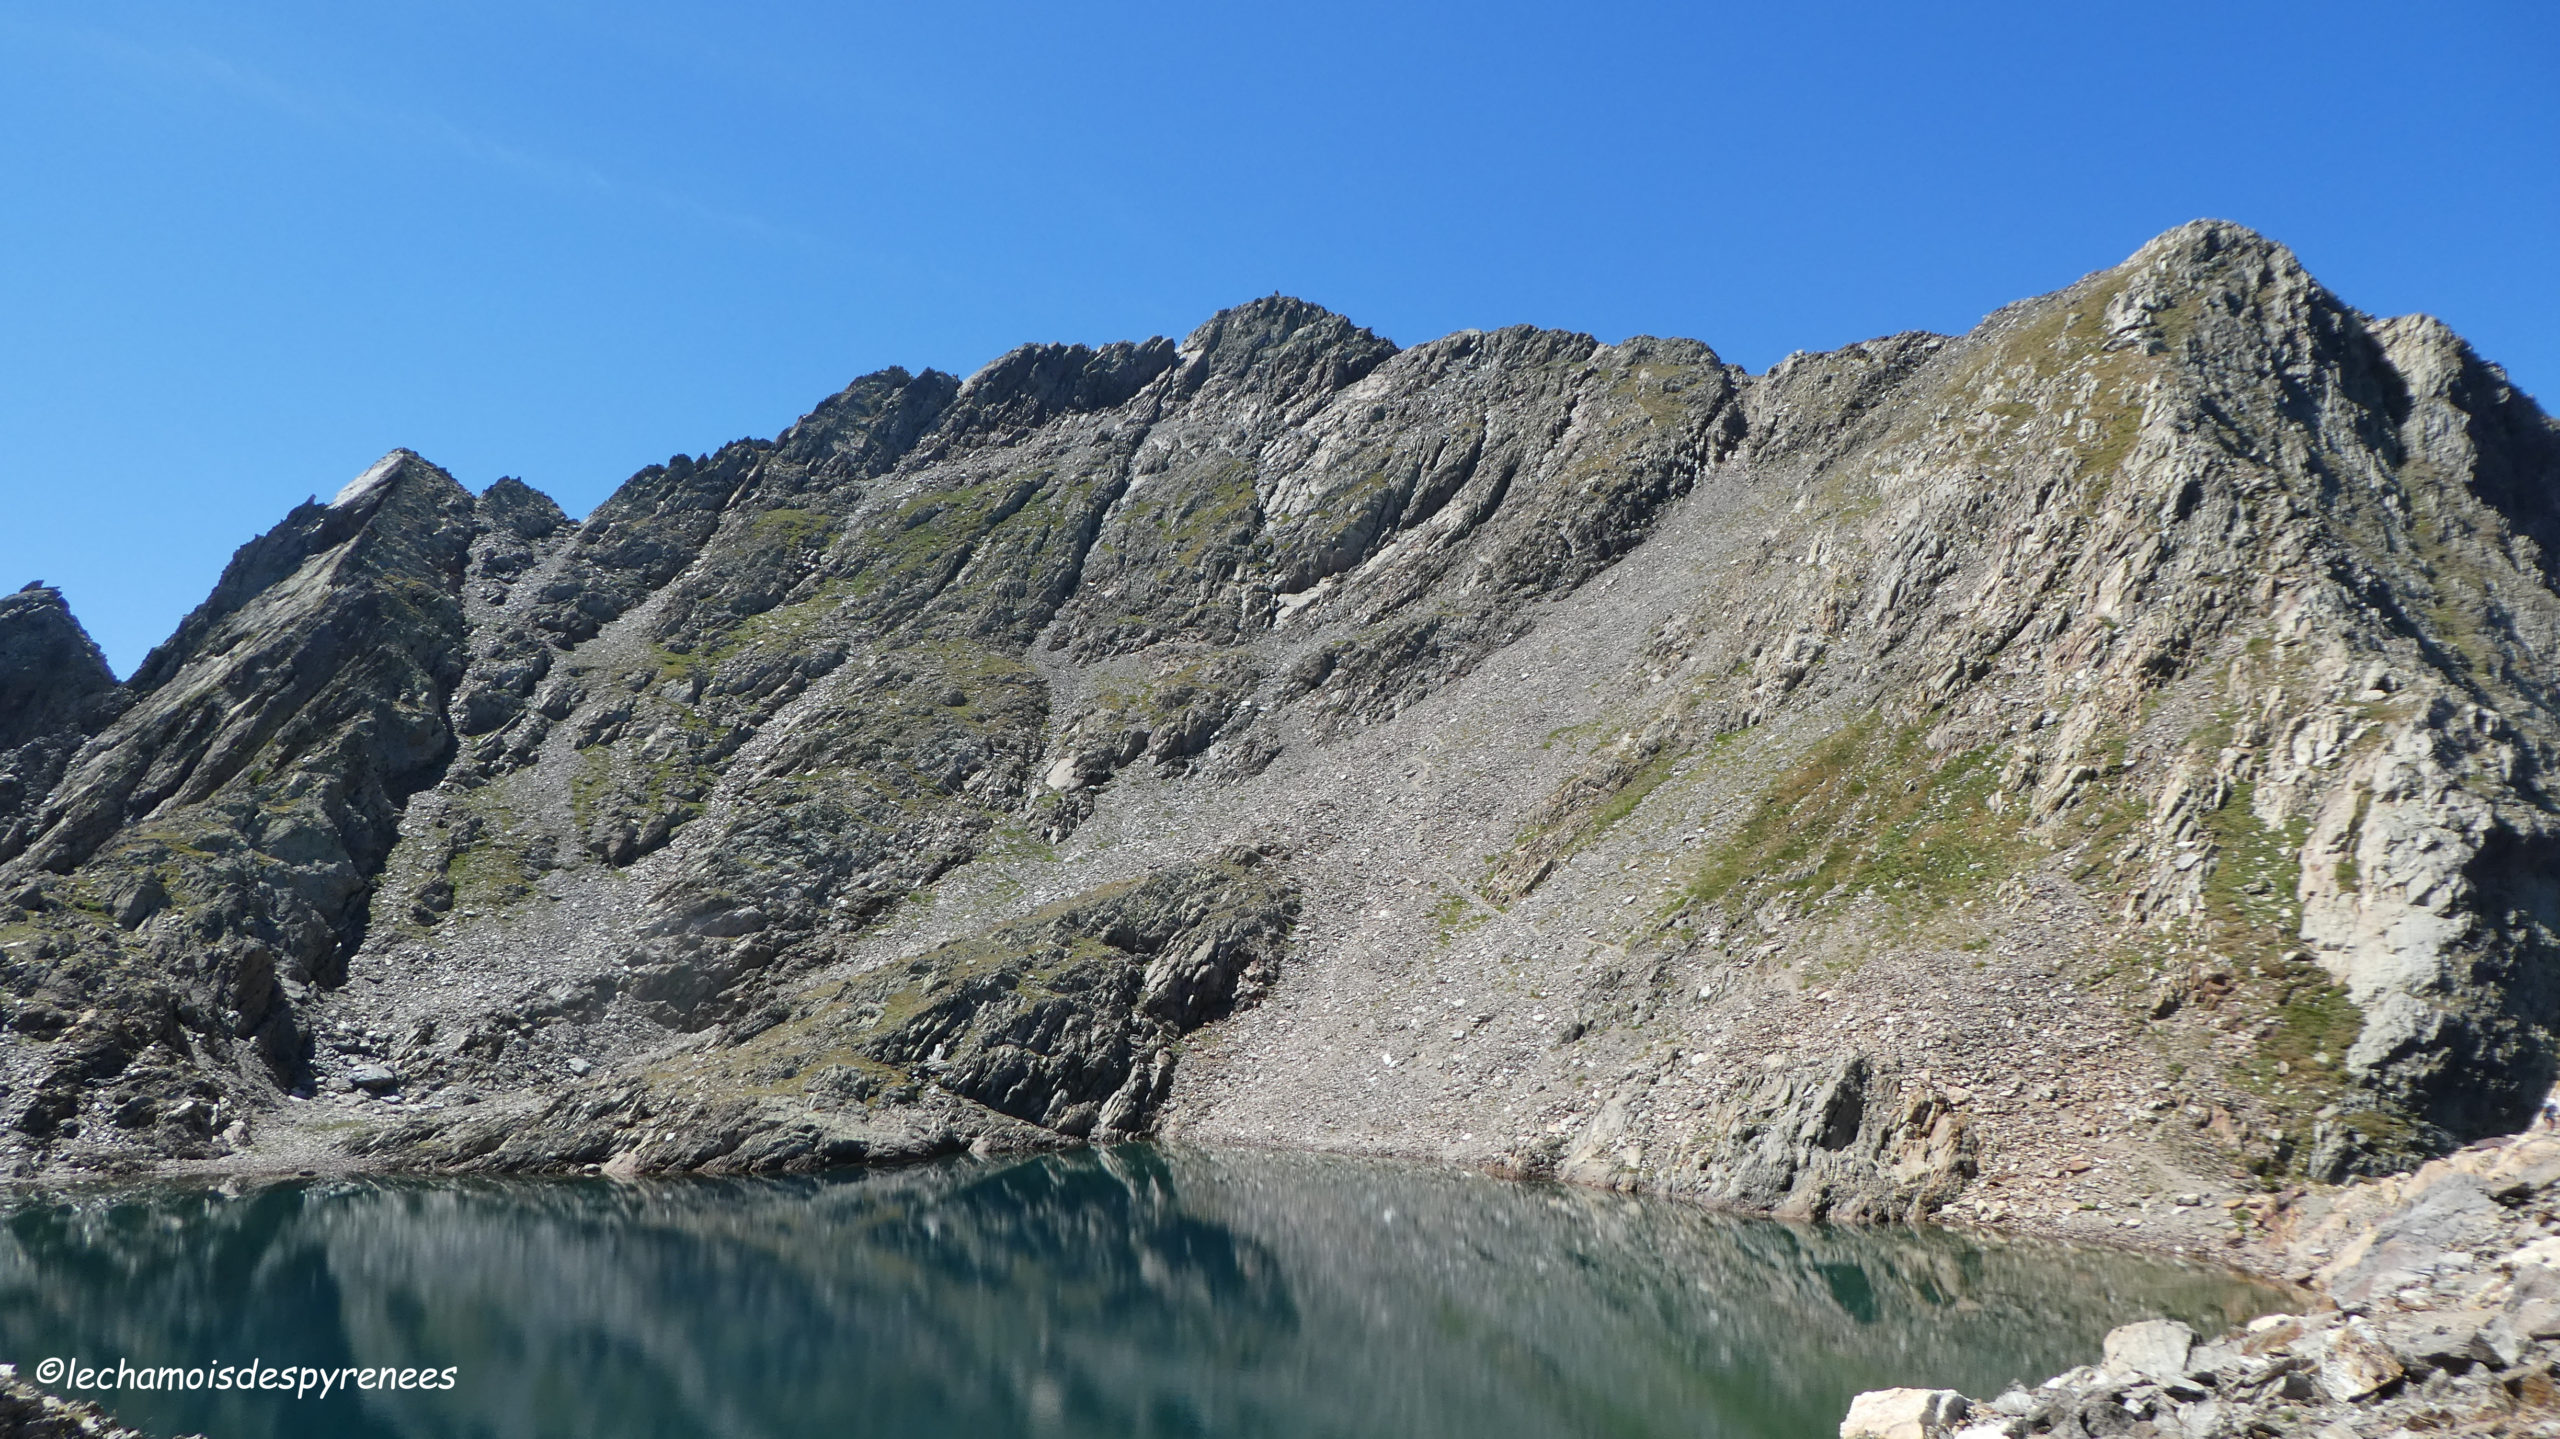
[2435, 1310]
[27, 1412]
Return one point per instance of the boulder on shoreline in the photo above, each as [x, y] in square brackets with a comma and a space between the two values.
[1902, 1413]
[2434, 1314]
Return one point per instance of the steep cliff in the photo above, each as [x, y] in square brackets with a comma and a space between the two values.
[2099, 753]
[55, 692]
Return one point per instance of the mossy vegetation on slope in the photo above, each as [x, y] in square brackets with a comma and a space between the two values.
[1869, 812]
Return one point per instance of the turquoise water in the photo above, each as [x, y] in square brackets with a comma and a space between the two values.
[1130, 1291]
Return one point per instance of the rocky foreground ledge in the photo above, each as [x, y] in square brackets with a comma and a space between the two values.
[27, 1412]
[2437, 1301]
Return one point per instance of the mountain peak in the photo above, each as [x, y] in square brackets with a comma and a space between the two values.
[48, 664]
[310, 529]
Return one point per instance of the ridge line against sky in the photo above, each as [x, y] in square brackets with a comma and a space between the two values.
[267, 244]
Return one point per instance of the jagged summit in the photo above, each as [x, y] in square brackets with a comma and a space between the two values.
[48, 664]
[1281, 344]
[1030, 385]
[1872, 786]
[1274, 317]
[55, 691]
[518, 509]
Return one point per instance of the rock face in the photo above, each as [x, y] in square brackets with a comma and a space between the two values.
[55, 692]
[1058, 1026]
[2092, 756]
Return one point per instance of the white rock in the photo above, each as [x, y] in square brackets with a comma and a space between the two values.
[1902, 1413]
[2202, 1419]
[2157, 1347]
[2356, 1363]
[2545, 1252]
[374, 478]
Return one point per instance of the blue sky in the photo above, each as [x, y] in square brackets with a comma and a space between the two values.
[247, 248]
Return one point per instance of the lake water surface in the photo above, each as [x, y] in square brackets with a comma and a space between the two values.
[1133, 1291]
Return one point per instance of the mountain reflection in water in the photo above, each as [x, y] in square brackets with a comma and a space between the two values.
[1128, 1291]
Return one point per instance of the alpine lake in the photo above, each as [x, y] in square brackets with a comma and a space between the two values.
[1127, 1291]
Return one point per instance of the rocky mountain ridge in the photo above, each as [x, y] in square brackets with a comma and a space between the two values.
[2097, 756]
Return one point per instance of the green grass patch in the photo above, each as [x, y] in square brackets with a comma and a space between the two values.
[786, 627]
[928, 537]
[1573, 734]
[1868, 811]
[490, 873]
[2251, 918]
[1203, 518]
[1016, 841]
[586, 787]
[1631, 794]
[2315, 1023]
[2250, 891]
[795, 529]
[1456, 915]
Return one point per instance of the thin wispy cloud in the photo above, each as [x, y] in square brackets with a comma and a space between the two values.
[338, 111]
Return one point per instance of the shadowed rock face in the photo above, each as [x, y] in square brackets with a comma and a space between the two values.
[55, 691]
[51, 674]
[2117, 729]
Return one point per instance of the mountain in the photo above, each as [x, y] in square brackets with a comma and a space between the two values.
[2102, 753]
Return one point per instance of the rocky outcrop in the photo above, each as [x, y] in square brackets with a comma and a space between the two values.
[55, 692]
[1844, 1139]
[1065, 1019]
[2437, 1307]
[2018, 774]
[1056, 1027]
[1814, 1144]
[27, 1412]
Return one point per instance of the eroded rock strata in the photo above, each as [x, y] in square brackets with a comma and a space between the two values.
[2020, 776]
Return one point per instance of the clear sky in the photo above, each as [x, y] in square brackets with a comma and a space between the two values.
[246, 248]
